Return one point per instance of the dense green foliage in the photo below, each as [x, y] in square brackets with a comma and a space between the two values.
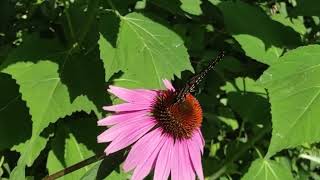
[261, 103]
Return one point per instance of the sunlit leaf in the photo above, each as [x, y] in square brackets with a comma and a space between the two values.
[294, 89]
[191, 6]
[46, 96]
[262, 39]
[146, 52]
[268, 170]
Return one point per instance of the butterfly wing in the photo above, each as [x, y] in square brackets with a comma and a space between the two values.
[195, 80]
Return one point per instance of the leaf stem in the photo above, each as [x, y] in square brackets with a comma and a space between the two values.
[72, 34]
[239, 153]
[75, 167]
[114, 8]
[91, 13]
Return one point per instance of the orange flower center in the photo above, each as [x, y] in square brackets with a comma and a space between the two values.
[180, 119]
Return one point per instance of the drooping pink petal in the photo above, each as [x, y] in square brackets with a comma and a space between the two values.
[121, 117]
[127, 139]
[175, 168]
[197, 137]
[168, 84]
[130, 95]
[123, 128]
[202, 139]
[162, 168]
[195, 156]
[141, 149]
[144, 167]
[127, 107]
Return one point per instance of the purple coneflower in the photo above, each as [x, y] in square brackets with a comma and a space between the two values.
[166, 135]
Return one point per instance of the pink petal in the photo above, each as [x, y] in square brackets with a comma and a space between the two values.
[144, 167]
[121, 128]
[195, 156]
[175, 168]
[127, 107]
[141, 149]
[183, 172]
[130, 95]
[125, 140]
[149, 94]
[121, 117]
[168, 84]
[162, 168]
[197, 137]
[189, 171]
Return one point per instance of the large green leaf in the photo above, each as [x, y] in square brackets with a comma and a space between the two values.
[262, 39]
[268, 170]
[48, 100]
[294, 88]
[146, 52]
[35, 67]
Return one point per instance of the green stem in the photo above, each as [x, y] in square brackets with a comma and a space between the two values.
[239, 153]
[75, 167]
[114, 8]
[72, 34]
[91, 14]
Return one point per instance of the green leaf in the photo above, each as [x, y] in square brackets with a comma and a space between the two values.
[48, 100]
[107, 169]
[246, 90]
[262, 39]
[257, 49]
[268, 170]
[67, 151]
[244, 85]
[46, 95]
[191, 6]
[295, 24]
[146, 52]
[293, 85]
[13, 115]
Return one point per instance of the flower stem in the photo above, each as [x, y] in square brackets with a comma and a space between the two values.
[75, 167]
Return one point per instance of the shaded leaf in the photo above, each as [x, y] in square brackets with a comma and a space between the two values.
[248, 100]
[307, 8]
[67, 151]
[13, 115]
[107, 169]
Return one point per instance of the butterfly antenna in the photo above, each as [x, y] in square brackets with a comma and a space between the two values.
[195, 80]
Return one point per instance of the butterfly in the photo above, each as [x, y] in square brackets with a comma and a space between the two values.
[195, 80]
